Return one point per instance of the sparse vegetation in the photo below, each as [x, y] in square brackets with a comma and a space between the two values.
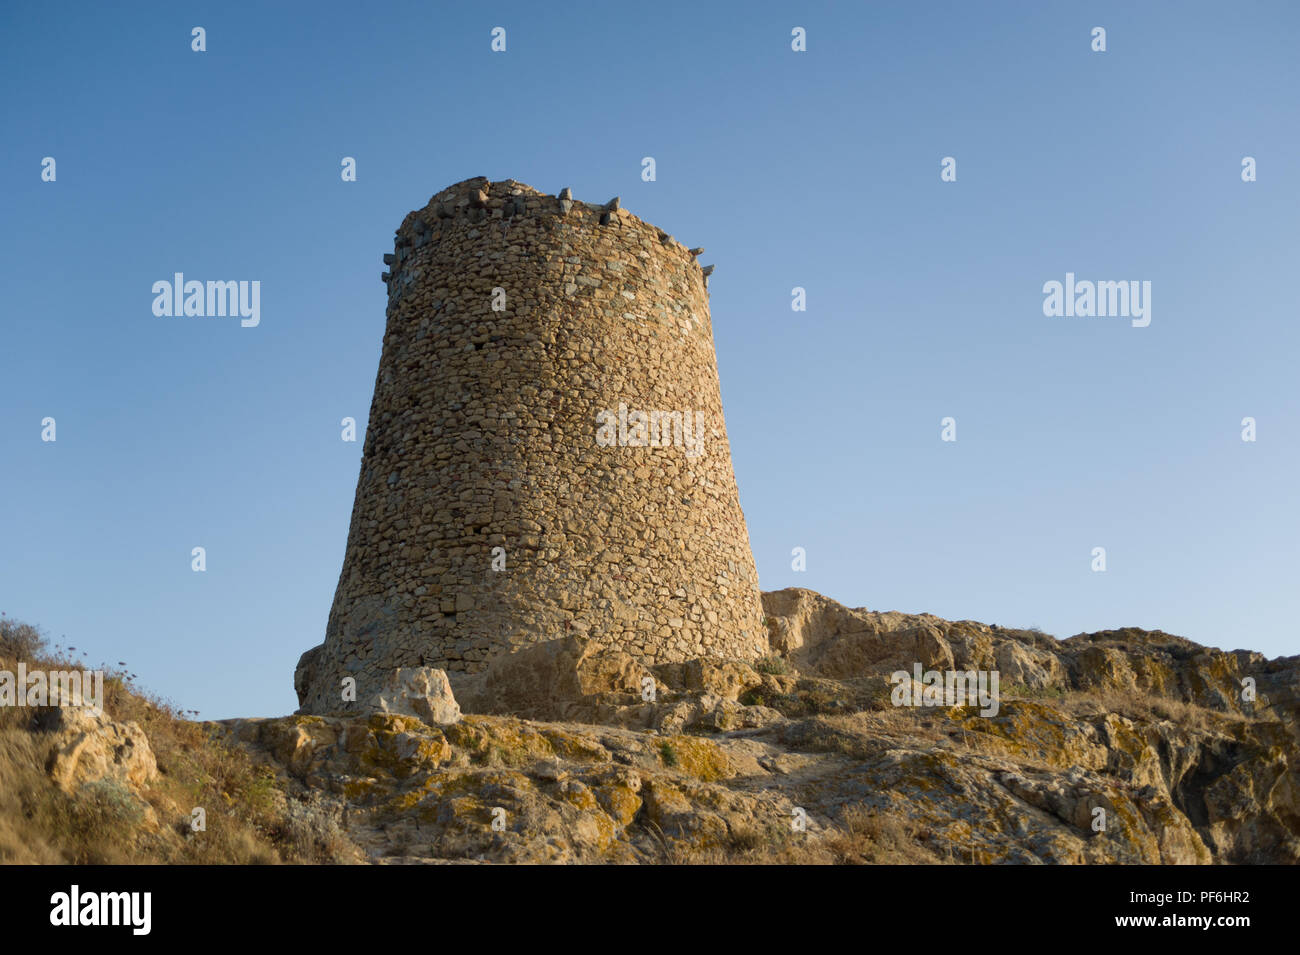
[699, 780]
[813, 697]
[863, 836]
[668, 753]
[250, 818]
[1033, 692]
[773, 665]
[1141, 705]
[870, 836]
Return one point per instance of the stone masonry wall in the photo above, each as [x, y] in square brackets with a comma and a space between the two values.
[484, 434]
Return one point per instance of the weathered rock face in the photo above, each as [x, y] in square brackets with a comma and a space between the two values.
[1119, 747]
[506, 790]
[1123, 746]
[526, 337]
[86, 747]
[1191, 751]
[553, 680]
[826, 639]
[422, 692]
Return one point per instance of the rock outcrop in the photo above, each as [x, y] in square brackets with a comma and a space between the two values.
[86, 747]
[422, 692]
[1123, 746]
[1118, 747]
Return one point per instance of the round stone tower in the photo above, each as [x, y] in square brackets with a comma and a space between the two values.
[546, 454]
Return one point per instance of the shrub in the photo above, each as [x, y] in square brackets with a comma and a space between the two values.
[20, 641]
[668, 753]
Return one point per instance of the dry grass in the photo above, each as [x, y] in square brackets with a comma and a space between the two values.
[862, 735]
[1141, 706]
[250, 817]
[865, 836]
[872, 837]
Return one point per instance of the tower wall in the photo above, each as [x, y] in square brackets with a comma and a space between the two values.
[484, 434]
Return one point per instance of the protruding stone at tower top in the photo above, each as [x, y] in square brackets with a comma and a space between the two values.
[546, 453]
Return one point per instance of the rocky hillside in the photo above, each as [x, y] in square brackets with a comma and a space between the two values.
[122, 785]
[1124, 746]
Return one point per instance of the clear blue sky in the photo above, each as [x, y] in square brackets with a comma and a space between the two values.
[817, 169]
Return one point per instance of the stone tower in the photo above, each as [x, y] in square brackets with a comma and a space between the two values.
[546, 453]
